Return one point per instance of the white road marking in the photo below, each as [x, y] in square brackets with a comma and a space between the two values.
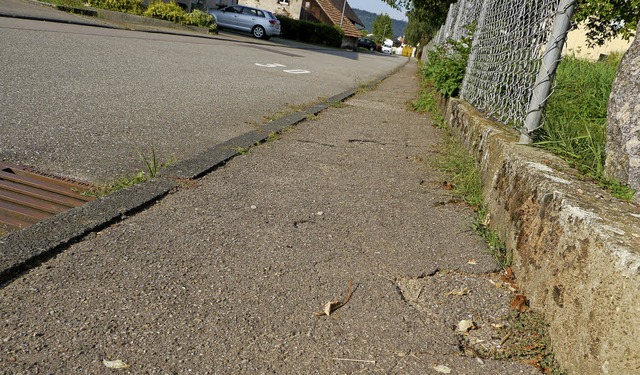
[274, 65]
[297, 71]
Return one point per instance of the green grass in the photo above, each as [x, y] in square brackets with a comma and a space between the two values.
[242, 150]
[152, 168]
[574, 125]
[525, 338]
[427, 102]
[463, 174]
[338, 104]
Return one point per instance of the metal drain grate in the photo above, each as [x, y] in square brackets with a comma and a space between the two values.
[28, 196]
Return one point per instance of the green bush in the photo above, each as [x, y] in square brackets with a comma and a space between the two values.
[174, 13]
[200, 18]
[167, 11]
[311, 32]
[126, 6]
[446, 65]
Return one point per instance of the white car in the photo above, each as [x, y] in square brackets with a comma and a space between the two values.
[387, 46]
[259, 22]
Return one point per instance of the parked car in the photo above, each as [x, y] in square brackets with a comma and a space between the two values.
[367, 43]
[387, 46]
[259, 22]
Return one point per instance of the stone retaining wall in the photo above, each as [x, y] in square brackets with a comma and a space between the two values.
[576, 249]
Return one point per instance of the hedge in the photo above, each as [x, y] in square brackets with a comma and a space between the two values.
[310, 32]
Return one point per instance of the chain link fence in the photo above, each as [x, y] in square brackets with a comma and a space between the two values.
[515, 51]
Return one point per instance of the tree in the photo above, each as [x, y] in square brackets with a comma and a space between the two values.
[425, 17]
[607, 19]
[382, 27]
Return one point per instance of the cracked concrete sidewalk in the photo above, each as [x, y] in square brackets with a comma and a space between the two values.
[225, 275]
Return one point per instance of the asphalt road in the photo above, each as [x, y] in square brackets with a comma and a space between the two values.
[83, 102]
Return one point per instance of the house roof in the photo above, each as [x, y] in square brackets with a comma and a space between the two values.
[348, 11]
[335, 15]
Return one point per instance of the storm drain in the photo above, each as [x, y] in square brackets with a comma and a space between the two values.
[28, 196]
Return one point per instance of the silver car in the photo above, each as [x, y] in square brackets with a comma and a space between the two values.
[261, 23]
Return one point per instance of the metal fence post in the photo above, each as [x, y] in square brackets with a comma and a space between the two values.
[550, 61]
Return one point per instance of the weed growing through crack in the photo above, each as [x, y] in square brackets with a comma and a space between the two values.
[365, 87]
[273, 136]
[465, 180]
[338, 104]
[152, 165]
[427, 102]
[241, 150]
[524, 338]
[152, 168]
[464, 177]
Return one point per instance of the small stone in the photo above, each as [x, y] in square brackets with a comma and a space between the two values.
[319, 213]
[253, 207]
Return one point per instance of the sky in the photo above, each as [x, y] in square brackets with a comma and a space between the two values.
[379, 7]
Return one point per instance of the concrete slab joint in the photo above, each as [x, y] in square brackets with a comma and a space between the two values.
[576, 250]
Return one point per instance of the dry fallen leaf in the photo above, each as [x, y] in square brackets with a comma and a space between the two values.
[498, 326]
[330, 306]
[465, 325]
[115, 364]
[447, 186]
[462, 292]
[520, 303]
[442, 369]
[487, 220]
[473, 262]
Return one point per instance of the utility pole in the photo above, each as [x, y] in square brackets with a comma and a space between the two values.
[344, 5]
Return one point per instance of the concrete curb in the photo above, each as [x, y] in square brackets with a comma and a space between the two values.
[25, 249]
[576, 252]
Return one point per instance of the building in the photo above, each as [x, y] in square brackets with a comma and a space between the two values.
[578, 46]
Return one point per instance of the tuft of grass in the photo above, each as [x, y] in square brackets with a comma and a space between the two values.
[464, 177]
[241, 150]
[290, 109]
[365, 87]
[427, 102]
[525, 339]
[273, 136]
[460, 167]
[338, 104]
[574, 125]
[152, 168]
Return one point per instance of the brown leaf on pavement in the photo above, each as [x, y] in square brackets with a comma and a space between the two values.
[332, 306]
[520, 303]
[462, 292]
[117, 364]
